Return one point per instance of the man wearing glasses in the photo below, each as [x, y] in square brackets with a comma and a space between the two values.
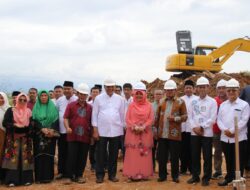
[233, 107]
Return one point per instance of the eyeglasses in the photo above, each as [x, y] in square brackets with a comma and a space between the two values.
[22, 100]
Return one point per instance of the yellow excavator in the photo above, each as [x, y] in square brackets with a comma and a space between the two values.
[203, 57]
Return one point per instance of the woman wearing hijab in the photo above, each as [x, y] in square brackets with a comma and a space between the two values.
[138, 164]
[45, 117]
[18, 153]
[4, 105]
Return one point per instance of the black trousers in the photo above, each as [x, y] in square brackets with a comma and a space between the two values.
[247, 166]
[123, 146]
[77, 159]
[185, 157]
[92, 156]
[229, 152]
[62, 154]
[101, 149]
[154, 153]
[166, 146]
[199, 143]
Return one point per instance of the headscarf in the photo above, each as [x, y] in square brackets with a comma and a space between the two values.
[4, 107]
[47, 113]
[21, 112]
[140, 110]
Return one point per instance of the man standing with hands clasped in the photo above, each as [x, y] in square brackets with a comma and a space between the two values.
[204, 112]
[171, 112]
[108, 123]
[77, 122]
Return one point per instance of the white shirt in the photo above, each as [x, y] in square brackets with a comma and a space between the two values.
[54, 101]
[226, 115]
[108, 115]
[127, 102]
[91, 102]
[204, 112]
[186, 126]
[61, 104]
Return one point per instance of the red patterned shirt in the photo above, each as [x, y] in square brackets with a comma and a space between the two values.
[79, 121]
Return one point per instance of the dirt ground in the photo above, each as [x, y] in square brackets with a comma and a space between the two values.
[151, 184]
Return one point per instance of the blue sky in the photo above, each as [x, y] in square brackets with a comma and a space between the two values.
[45, 42]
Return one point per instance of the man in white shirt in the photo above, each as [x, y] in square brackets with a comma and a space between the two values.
[128, 98]
[58, 92]
[233, 107]
[95, 91]
[185, 156]
[204, 112]
[61, 105]
[108, 123]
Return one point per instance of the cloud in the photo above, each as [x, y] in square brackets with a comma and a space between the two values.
[129, 40]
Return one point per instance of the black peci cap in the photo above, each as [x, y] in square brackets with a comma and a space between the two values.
[189, 82]
[15, 93]
[68, 83]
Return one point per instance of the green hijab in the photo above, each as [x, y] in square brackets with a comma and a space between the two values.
[47, 113]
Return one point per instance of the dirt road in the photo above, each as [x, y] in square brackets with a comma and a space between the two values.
[152, 184]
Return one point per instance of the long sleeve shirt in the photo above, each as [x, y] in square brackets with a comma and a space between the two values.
[228, 110]
[61, 105]
[108, 115]
[186, 126]
[204, 113]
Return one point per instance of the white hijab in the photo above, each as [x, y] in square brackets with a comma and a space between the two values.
[3, 108]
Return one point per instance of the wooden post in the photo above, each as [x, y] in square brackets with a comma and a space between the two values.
[237, 160]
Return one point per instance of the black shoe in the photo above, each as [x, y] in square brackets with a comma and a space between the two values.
[205, 183]
[223, 183]
[44, 181]
[217, 175]
[99, 180]
[161, 179]
[193, 180]
[176, 180]
[59, 176]
[113, 179]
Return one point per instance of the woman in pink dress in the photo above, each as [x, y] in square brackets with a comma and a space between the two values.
[138, 164]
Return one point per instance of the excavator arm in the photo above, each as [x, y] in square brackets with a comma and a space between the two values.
[223, 53]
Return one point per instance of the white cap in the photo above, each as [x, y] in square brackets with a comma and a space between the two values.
[221, 83]
[202, 81]
[232, 83]
[170, 85]
[140, 86]
[109, 82]
[83, 88]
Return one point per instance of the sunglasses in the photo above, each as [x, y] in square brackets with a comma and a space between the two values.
[22, 100]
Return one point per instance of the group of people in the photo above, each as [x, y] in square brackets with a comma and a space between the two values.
[81, 121]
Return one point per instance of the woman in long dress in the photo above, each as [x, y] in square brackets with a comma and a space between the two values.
[45, 120]
[18, 153]
[4, 105]
[138, 163]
